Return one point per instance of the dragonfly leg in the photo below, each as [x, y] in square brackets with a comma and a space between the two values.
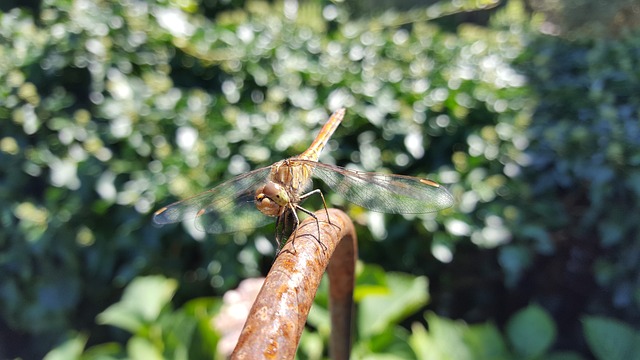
[324, 247]
[282, 228]
[280, 225]
[296, 221]
[324, 203]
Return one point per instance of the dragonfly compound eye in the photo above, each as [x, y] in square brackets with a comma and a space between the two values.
[268, 201]
[276, 193]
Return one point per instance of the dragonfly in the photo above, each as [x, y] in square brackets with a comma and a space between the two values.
[253, 199]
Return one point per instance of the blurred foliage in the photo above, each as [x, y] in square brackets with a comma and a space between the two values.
[583, 178]
[589, 18]
[111, 110]
[160, 332]
[611, 339]
[530, 334]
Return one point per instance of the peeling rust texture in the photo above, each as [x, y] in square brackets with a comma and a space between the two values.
[278, 316]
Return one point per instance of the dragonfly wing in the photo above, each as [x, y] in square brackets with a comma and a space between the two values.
[227, 207]
[387, 193]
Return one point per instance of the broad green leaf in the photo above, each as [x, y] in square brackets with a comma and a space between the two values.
[106, 351]
[178, 329]
[70, 349]
[485, 342]
[141, 303]
[141, 349]
[448, 336]
[610, 339]
[405, 295]
[311, 345]
[423, 344]
[203, 309]
[119, 316]
[445, 340]
[371, 280]
[320, 318]
[390, 344]
[531, 332]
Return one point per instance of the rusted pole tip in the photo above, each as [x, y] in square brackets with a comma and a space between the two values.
[278, 316]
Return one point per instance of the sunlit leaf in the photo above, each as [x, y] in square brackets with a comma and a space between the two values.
[142, 349]
[141, 303]
[405, 295]
[70, 349]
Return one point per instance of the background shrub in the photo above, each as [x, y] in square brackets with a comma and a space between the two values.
[585, 147]
[113, 110]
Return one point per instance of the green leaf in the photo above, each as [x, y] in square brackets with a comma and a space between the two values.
[178, 329]
[422, 343]
[104, 351]
[405, 295]
[141, 303]
[141, 349]
[611, 339]
[203, 310]
[371, 280]
[320, 318]
[119, 316]
[445, 340]
[70, 349]
[531, 332]
[448, 337]
[486, 342]
[391, 344]
[311, 345]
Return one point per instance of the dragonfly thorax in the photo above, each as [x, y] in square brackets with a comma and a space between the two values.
[272, 199]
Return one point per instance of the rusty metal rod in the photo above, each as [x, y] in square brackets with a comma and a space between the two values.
[342, 280]
[278, 316]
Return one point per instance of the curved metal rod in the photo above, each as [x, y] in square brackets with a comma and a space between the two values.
[278, 316]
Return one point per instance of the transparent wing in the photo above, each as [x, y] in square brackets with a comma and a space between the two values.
[227, 207]
[387, 193]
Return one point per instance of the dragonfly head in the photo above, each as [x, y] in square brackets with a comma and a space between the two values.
[271, 199]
